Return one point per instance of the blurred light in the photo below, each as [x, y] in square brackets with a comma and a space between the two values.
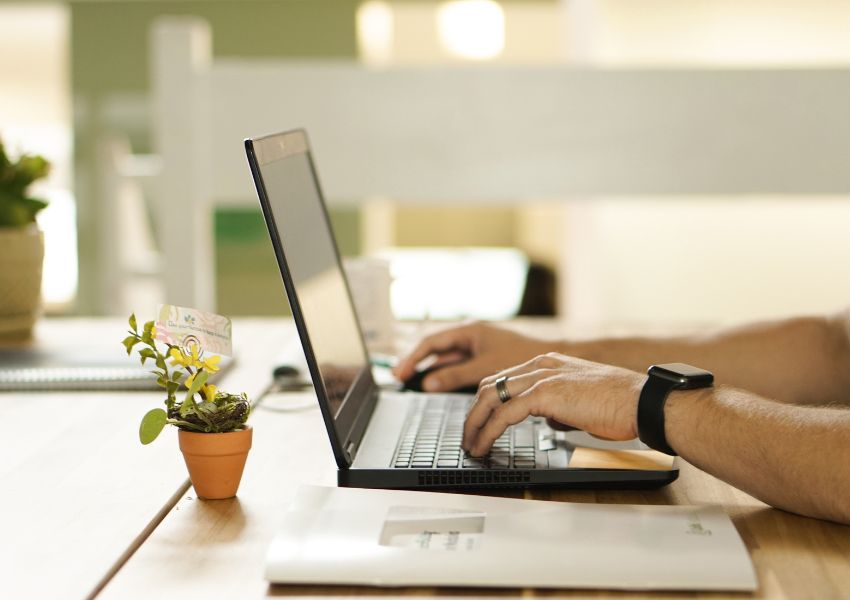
[35, 105]
[472, 29]
[457, 283]
[58, 221]
[375, 30]
[718, 33]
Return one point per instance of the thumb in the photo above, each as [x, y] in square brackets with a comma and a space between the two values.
[452, 377]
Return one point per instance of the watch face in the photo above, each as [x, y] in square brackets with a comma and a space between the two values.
[686, 375]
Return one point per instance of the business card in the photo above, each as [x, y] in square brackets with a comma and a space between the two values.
[188, 327]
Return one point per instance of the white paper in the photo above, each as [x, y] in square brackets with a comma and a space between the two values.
[432, 529]
[401, 538]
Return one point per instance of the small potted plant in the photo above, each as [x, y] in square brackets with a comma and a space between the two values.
[21, 242]
[211, 425]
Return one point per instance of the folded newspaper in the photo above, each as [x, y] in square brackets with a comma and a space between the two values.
[402, 538]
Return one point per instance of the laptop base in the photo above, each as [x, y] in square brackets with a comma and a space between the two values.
[466, 479]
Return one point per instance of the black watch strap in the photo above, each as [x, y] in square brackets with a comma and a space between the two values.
[650, 417]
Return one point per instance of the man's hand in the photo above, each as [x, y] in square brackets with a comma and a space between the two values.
[467, 354]
[596, 398]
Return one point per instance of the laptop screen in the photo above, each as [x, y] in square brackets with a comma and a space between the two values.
[310, 258]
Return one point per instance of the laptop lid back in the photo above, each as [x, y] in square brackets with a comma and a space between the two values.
[318, 292]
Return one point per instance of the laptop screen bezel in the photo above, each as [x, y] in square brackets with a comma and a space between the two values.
[345, 429]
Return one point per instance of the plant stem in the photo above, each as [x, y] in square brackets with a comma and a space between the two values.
[186, 424]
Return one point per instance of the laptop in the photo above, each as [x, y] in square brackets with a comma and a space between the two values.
[387, 438]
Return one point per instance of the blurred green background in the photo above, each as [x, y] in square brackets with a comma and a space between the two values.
[109, 82]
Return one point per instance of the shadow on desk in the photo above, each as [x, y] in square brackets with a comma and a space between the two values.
[228, 513]
[811, 537]
[366, 592]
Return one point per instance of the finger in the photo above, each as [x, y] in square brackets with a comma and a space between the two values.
[452, 377]
[488, 401]
[510, 413]
[448, 358]
[544, 361]
[443, 341]
[476, 417]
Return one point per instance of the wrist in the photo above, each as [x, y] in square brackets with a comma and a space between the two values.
[632, 406]
[662, 381]
[683, 410]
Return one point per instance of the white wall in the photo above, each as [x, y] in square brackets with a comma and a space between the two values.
[733, 257]
[719, 32]
[683, 262]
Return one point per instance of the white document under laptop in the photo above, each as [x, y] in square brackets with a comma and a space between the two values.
[405, 538]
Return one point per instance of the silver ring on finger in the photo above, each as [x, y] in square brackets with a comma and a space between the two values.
[502, 389]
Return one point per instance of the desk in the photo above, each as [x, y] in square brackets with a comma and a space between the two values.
[79, 492]
[215, 549]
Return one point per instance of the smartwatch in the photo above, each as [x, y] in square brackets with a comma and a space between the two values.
[662, 380]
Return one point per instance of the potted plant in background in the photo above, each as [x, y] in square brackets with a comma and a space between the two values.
[21, 243]
[211, 425]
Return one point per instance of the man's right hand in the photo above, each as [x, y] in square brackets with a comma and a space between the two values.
[465, 355]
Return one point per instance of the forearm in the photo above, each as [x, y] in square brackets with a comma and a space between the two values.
[804, 360]
[792, 457]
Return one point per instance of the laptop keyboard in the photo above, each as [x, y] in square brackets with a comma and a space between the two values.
[434, 428]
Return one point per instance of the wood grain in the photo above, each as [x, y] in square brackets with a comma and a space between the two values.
[78, 488]
[215, 549]
[79, 492]
[80, 496]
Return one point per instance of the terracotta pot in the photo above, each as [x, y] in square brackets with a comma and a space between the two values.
[21, 258]
[215, 460]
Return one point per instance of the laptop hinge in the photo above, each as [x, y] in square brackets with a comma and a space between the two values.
[358, 426]
[350, 450]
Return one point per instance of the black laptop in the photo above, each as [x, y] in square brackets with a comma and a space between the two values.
[386, 438]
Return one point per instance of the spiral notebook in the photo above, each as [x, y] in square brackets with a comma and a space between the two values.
[33, 369]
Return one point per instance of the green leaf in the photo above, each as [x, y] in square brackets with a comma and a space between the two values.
[16, 207]
[200, 380]
[33, 206]
[152, 424]
[146, 333]
[177, 376]
[172, 387]
[129, 342]
[31, 168]
[12, 213]
[133, 323]
[188, 406]
[160, 362]
[208, 407]
[146, 353]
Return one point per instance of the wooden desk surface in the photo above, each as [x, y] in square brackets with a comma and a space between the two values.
[79, 492]
[215, 549]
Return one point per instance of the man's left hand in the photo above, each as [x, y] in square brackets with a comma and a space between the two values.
[599, 399]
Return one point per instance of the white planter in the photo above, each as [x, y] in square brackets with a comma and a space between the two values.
[21, 259]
